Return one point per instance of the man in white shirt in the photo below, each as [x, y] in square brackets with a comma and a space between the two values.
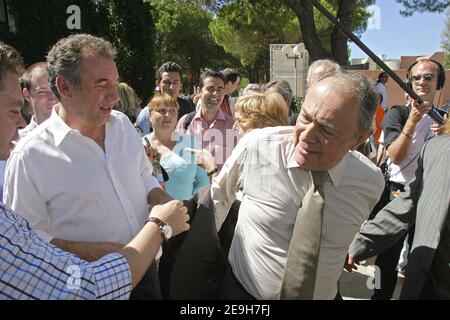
[272, 166]
[36, 91]
[82, 178]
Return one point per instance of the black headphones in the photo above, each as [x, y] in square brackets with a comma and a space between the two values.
[441, 75]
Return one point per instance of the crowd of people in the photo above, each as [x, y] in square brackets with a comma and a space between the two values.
[234, 198]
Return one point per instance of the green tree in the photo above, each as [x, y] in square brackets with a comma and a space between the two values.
[129, 26]
[247, 28]
[412, 6]
[183, 36]
[351, 14]
[39, 24]
[446, 39]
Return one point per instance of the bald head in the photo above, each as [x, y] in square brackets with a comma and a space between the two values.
[319, 68]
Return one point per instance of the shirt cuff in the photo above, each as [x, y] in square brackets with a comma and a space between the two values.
[44, 235]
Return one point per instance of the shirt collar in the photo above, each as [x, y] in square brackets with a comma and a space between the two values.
[60, 129]
[335, 173]
[220, 115]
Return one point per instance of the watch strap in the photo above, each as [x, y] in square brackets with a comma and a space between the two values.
[160, 224]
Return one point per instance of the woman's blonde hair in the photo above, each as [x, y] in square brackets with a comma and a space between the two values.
[163, 100]
[447, 127]
[262, 110]
[129, 101]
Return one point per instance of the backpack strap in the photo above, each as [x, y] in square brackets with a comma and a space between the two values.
[188, 120]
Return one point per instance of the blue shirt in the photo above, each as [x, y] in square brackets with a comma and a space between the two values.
[185, 176]
[31, 268]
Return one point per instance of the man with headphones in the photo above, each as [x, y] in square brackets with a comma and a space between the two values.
[406, 128]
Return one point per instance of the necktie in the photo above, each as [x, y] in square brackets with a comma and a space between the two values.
[299, 276]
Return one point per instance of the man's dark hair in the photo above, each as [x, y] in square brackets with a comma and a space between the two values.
[381, 75]
[230, 75]
[211, 73]
[10, 61]
[168, 66]
[25, 81]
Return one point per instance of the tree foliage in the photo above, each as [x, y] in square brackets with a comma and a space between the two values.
[183, 36]
[412, 6]
[129, 26]
[39, 24]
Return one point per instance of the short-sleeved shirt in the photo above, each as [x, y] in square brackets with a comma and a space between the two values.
[393, 124]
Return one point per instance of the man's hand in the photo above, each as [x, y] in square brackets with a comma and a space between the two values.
[418, 111]
[437, 129]
[152, 153]
[204, 158]
[349, 264]
[174, 213]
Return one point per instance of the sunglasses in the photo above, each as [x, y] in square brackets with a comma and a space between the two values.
[427, 77]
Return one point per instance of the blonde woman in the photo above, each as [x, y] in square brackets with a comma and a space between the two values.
[259, 111]
[129, 101]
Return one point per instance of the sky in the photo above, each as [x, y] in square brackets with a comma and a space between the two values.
[395, 35]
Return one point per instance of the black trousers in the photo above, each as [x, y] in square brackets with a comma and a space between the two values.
[148, 288]
[232, 289]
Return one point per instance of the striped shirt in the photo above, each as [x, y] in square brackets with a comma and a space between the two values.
[31, 268]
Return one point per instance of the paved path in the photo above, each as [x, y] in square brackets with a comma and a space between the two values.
[354, 285]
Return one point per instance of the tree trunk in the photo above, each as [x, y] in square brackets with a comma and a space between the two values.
[339, 49]
[304, 11]
[339, 40]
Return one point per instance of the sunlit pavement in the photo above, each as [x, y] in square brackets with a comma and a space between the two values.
[357, 284]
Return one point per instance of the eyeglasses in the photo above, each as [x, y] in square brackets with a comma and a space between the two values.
[427, 77]
[163, 111]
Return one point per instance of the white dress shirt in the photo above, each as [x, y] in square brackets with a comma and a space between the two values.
[64, 184]
[25, 131]
[273, 186]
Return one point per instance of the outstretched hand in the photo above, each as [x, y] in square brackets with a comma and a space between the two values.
[204, 158]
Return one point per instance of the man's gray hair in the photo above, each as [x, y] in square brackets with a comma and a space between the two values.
[64, 59]
[330, 67]
[282, 87]
[368, 97]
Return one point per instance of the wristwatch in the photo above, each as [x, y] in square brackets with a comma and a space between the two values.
[166, 230]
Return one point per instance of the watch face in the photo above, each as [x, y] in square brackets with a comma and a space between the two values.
[167, 230]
